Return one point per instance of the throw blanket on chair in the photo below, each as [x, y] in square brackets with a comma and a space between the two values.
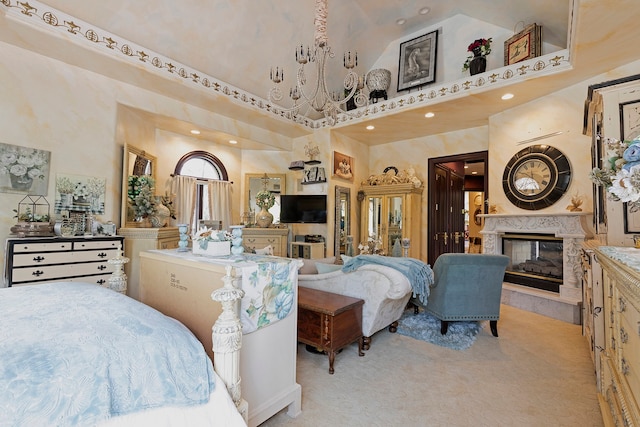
[419, 274]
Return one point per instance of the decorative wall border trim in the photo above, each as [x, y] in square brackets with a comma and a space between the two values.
[80, 32]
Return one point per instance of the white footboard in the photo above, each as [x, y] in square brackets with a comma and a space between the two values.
[227, 340]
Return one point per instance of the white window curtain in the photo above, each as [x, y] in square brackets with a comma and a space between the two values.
[184, 187]
[220, 202]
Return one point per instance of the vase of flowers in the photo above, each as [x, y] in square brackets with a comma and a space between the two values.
[620, 174]
[141, 199]
[265, 201]
[477, 63]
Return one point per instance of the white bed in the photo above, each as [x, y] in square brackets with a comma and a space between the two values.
[79, 354]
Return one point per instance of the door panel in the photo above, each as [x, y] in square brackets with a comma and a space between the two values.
[438, 216]
[446, 217]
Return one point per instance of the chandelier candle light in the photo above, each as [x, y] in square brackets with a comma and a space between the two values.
[319, 99]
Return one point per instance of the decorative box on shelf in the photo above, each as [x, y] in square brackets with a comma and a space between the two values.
[212, 248]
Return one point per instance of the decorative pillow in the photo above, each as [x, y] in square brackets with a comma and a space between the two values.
[309, 265]
[345, 258]
[327, 268]
[267, 250]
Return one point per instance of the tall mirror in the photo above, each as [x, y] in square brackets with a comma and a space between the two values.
[255, 182]
[343, 220]
[135, 162]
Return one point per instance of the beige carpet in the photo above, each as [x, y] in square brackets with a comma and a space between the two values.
[538, 373]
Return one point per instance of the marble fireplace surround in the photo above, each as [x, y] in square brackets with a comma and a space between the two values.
[572, 228]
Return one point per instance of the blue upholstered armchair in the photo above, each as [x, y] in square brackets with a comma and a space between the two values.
[466, 287]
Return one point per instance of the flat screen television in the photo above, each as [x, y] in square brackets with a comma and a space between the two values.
[303, 208]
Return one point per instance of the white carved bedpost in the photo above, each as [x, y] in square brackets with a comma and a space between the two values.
[227, 339]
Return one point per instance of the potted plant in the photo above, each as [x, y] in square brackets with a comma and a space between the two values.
[141, 199]
[265, 201]
[477, 63]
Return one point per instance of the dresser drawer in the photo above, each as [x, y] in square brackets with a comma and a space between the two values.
[99, 279]
[42, 247]
[50, 272]
[168, 243]
[43, 258]
[96, 244]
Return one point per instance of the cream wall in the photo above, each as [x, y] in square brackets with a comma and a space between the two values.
[84, 118]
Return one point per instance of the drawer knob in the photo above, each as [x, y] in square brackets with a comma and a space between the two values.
[102, 267]
[38, 258]
[37, 273]
[624, 337]
[622, 305]
[102, 255]
[624, 366]
[101, 282]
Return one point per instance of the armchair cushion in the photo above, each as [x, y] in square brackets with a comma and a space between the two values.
[327, 268]
[309, 265]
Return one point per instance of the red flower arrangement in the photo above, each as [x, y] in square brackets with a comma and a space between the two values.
[480, 47]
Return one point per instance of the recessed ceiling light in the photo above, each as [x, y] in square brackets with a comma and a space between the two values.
[371, 127]
[401, 21]
[474, 173]
[429, 115]
[424, 11]
[233, 141]
[195, 132]
[507, 96]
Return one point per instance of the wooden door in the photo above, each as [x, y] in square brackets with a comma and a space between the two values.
[446, 217]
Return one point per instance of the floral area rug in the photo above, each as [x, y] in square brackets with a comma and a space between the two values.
[423, 326]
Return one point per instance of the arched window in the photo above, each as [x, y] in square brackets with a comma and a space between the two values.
[203, 166]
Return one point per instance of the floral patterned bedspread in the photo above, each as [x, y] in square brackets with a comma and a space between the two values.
[77, 354]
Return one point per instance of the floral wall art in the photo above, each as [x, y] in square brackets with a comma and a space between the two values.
[24, 170]
[80, 193]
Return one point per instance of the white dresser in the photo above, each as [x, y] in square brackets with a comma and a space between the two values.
[620, 359]
[35, 260]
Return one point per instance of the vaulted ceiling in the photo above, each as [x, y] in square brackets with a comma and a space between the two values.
[237, 41]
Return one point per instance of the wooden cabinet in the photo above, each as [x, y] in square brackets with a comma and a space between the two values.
[390, 212]
[143, 239]
[32, 261]
[592, 305]
[258, 238]
[620, 359]
[307, 250]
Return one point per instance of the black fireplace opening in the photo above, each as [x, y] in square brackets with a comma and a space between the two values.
[536, 260]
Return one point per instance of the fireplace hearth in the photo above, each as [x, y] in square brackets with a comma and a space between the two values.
[536, 260]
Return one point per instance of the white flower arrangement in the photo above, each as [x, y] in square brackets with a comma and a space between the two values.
[620, 174]
[64, 185]
[373, 246]
[20, 161]
[205, 235]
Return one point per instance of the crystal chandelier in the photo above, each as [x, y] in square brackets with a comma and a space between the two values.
[317, 97]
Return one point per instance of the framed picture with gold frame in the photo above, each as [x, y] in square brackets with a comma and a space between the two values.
[524, 45]
[343, 166]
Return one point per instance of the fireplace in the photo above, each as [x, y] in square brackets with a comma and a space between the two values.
[536, 260]
[568, 228]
